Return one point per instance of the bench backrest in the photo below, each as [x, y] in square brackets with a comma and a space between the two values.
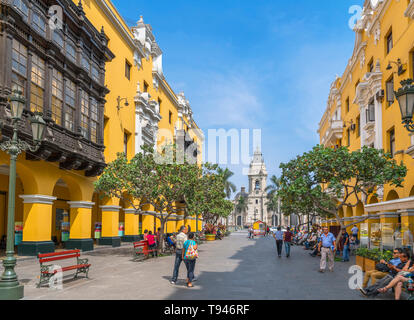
[55, 256]
[140, 244]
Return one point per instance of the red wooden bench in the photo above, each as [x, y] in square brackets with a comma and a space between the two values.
[46, 271]
[141, 248]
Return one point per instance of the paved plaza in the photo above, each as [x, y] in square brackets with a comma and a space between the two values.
[235, 268]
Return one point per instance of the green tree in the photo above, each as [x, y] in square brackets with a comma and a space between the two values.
[150, 178]
[273, 187]
[325, 180]
[208, 197]
[229, 187]
[272, 196]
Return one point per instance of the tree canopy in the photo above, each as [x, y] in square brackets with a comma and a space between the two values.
[169, 186]
[325, 180]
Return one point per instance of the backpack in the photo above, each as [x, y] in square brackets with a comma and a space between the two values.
[191, 253]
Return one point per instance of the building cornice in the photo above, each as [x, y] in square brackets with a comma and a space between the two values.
[38, 199]
[119, 25]
[81, 204]
[393, 205]
[110, 208]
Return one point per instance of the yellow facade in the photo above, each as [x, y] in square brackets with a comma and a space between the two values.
[362, 110]
[44, 191]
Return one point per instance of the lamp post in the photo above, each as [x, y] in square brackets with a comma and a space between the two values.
[405, 97]
[10, 289]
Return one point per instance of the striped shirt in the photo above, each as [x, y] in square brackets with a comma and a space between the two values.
[181, 238]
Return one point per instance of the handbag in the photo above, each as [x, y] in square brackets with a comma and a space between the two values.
[382, 267]
[191, 253]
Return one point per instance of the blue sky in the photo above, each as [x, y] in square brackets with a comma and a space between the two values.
[262, 64]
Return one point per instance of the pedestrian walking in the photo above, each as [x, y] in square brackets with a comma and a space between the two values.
[354, 232]
[287, 238]
[278, 235]
[190, 255]
[179, 243]
[327, 247]
[345, 245]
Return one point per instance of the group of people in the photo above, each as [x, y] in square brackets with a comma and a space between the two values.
[390, 274]
[153, 240]
[187, 252]
[283, 238]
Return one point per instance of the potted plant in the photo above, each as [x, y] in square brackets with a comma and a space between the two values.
[373, 257]
[210, 231]
[361, 253]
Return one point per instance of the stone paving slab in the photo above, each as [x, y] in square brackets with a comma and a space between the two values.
[235, 268]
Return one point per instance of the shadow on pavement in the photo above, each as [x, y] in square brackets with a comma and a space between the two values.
[260, 275]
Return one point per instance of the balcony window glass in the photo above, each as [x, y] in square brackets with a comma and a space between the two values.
[70, 98]
[71, 51]
[39, 24]
[58, 39]
[95, 73]
[19, 66]
[57, 97]
[86, 63]
[85, 115]
[38, 84]
[94, 120]
[21, 5]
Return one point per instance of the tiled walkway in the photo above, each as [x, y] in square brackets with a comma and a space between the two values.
[235, 268]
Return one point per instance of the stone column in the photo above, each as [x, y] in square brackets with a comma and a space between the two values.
[180, 222]
[193, 224]
[37, 225]
[80, 226]
[171, 224]
[388, 219]
[407, 218]
[200, 223]
[110, 225]
[131, 226]
[372, 219]
[147, 222]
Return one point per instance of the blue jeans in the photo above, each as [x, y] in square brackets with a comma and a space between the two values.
[287, 248]
[190, 264]
[345, 254]
[178, 260]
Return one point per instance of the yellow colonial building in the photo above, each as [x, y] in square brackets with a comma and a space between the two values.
[100, 86]
[362, 111]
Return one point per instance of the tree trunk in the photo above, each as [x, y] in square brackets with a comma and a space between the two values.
[161, 246]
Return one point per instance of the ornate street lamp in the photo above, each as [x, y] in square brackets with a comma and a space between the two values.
[10, 289]
[405, 97]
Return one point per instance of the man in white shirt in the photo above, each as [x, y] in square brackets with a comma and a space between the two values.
[181, 238]
[278, 235]
[354, 232]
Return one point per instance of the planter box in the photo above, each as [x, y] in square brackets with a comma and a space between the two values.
[360, 261]
[370, 264]
[210, 237]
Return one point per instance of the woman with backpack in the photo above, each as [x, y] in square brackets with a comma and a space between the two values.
[190, 255]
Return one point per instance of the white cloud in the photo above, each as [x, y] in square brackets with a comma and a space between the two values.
[229, 100]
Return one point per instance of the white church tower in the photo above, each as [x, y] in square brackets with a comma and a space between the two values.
[257, 190]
